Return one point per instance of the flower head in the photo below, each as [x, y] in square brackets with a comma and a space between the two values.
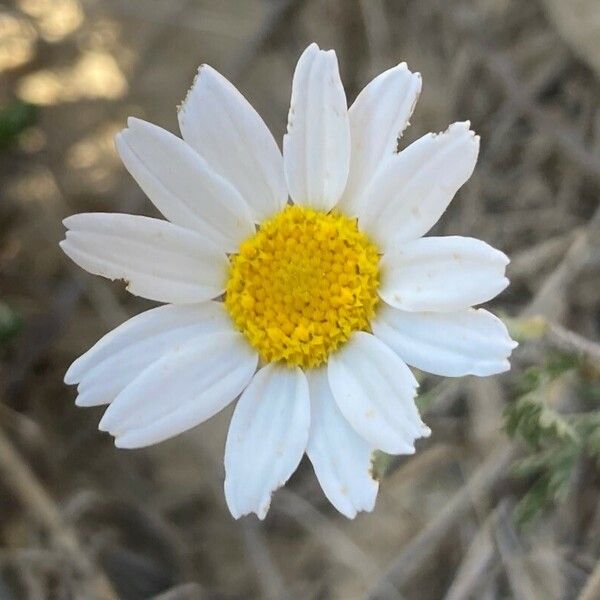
[302, 285]
[309, 311]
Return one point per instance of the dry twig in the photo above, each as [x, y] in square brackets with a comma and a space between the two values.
[23, 483]
[591, 590]
[268, 575]
[419, 549]
[478, 563]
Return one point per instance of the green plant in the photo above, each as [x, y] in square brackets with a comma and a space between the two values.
[10, 323]
[15, 118]
[554, 442]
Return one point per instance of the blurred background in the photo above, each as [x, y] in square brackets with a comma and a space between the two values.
[501, 502]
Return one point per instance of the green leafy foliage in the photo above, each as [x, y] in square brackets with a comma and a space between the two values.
[551, 471]
[380, 464]
[10, 323]
[14, 119]
[554, 441]
[531, 417]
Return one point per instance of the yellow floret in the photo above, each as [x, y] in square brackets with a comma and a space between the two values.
[302, 284]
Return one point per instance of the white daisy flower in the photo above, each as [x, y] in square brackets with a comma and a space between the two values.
[309, 311]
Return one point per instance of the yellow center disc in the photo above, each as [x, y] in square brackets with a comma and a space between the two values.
[302, 284]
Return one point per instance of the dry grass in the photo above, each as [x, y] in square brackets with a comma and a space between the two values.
[81, 519]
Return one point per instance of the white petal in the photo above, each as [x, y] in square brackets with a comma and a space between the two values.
[185, 387]
[267, 438]
[378, 117]
[182, 185]
[442, 274]
[219, 123]
[122, 354]
[376, 391]
[340, 457]
[412, 189]
[158, 260]
[468, 342]
[316, 148]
